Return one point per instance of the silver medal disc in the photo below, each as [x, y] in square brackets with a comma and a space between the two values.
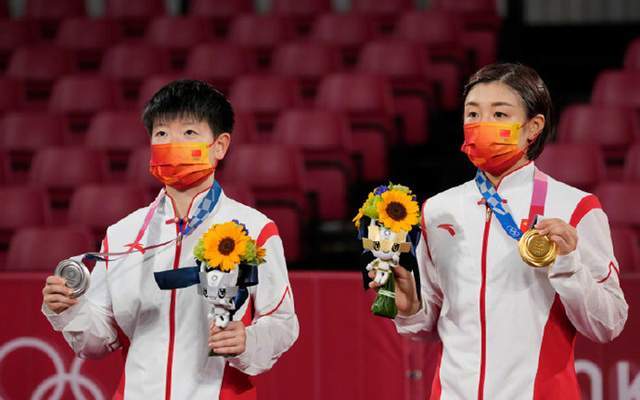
[76, 276]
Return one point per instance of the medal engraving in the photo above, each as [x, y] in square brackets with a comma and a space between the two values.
[76, 276]
[536, 250]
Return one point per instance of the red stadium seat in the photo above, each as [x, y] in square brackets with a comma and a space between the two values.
[88, 38]
[22, 207]
[626, 249]
[4, 168]
[617, 88]
[325, 139]
[579, 165]
[632, 55]
[348, 32]
[118, 134]
[619, 201]
[244, 129]
[38, 67]
[481, 47]
[260, 34]
[13, 34]
[406, 65]
[178, 35]
[218, 64]
[99, 206]
[131, 63]
[632, 163]
[440, 31]
[42, 9]
[138, 171]
[151, 85]
[613, 128]
[24, 133]
[239, 192]
[220, 12]
[301, 12]
[62, 169]
[11, 94]
[409, 65]
[79, 97]
[265, 97]
[48, 17]
[479, 15]
[30, 131]
[52, 245]
[383, 12]
[275, 173]
[306, 61]
[134, 15]
[368, 102]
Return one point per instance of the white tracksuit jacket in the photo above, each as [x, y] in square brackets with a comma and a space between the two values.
[507, 329]
[164, 333]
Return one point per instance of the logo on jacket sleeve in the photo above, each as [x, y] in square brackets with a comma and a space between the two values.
[449, 228]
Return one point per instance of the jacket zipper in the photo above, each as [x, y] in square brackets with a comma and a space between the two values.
[483, 288]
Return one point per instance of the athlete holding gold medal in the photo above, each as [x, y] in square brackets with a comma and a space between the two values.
[512, 263]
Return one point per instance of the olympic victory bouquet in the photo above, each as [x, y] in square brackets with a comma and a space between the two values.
[228, 259]
[388, 224]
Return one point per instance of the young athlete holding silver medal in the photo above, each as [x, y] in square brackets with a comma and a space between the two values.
[512, 263]
[146, 296]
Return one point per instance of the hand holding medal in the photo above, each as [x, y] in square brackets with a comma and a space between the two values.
[561, 235]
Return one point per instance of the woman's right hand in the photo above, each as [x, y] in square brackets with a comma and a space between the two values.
[57, 297]
[406, 295]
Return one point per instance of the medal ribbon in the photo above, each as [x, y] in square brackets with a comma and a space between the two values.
[502, 211]
[205, 207]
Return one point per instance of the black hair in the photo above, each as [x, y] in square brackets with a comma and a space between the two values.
[189, 98]
[531, 88]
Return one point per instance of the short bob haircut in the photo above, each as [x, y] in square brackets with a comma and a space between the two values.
[189, 99]
[531, 88]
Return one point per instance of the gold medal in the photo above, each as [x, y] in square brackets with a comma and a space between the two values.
[536, 250]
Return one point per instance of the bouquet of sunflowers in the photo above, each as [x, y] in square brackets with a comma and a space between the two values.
[228, 259]
[389, 226]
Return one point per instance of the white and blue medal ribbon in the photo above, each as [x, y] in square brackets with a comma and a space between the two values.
[497, 206]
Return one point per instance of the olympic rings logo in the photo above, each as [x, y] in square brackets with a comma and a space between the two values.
[61, 378]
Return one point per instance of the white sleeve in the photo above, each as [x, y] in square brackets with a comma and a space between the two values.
[88, 326]
[425, 319]
[588, 284]
[275, 326]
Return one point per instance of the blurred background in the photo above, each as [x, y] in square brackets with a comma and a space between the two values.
[332, 98]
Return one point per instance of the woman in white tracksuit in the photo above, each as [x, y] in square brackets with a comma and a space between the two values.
[165, 334]
[507, 329]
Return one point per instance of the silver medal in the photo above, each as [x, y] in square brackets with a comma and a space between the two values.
[76, 276]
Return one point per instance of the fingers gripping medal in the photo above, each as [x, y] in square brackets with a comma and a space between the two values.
[387, 224]
[537, 250]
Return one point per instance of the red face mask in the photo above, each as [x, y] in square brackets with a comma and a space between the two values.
[181, 165]
[492, 146]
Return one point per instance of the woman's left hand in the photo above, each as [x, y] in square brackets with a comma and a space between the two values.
[228, 341]
[563, 234]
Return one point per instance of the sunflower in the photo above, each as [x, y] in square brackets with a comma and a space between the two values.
[224, 244]
[398, 211]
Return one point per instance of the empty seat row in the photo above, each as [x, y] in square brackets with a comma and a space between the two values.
[441, 32]
[612, 127]
[478, 13]
[583, 164]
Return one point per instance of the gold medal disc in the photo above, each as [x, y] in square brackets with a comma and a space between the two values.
[536, 250]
